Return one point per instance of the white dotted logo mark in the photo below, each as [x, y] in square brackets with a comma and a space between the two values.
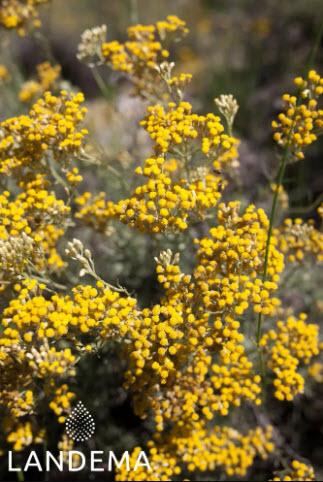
[80, 425]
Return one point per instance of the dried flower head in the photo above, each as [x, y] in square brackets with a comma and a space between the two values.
[228, 106]
[89, 49]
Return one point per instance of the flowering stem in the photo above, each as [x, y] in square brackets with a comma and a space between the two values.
[280, 177]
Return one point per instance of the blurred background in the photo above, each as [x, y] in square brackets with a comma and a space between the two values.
[247, 48]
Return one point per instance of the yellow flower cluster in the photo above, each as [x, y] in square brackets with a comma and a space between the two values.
[186, 353]
[61, 402]
[202, 450]
[4, 74]
[170, 360]
[316, 371]
[73, 176]
[297, 471]
[163, 465]
[32, 327]
[231, 262]
[298, 126]
[30, 320]
[51, 128]
[180, 80]
[159, 205]
[47, 76]
[188, 363]
[17, 14]
[34, 219]
[141, 54]
[176, 126]
[32, 223]
[11, 380]
[94, 210]
[18, 403]
[175, 341]
[293, 342]
[21, 438]
[224, 447]
[171, 346]
[298, 238]
[48, 361]
[171, 197]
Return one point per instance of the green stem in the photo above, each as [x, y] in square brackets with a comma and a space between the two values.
[280, 178]
[101, 83]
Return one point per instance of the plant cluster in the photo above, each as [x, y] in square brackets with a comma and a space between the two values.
[191, 360]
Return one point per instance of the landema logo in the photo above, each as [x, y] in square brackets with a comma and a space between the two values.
[80, 427]
[97, 461]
